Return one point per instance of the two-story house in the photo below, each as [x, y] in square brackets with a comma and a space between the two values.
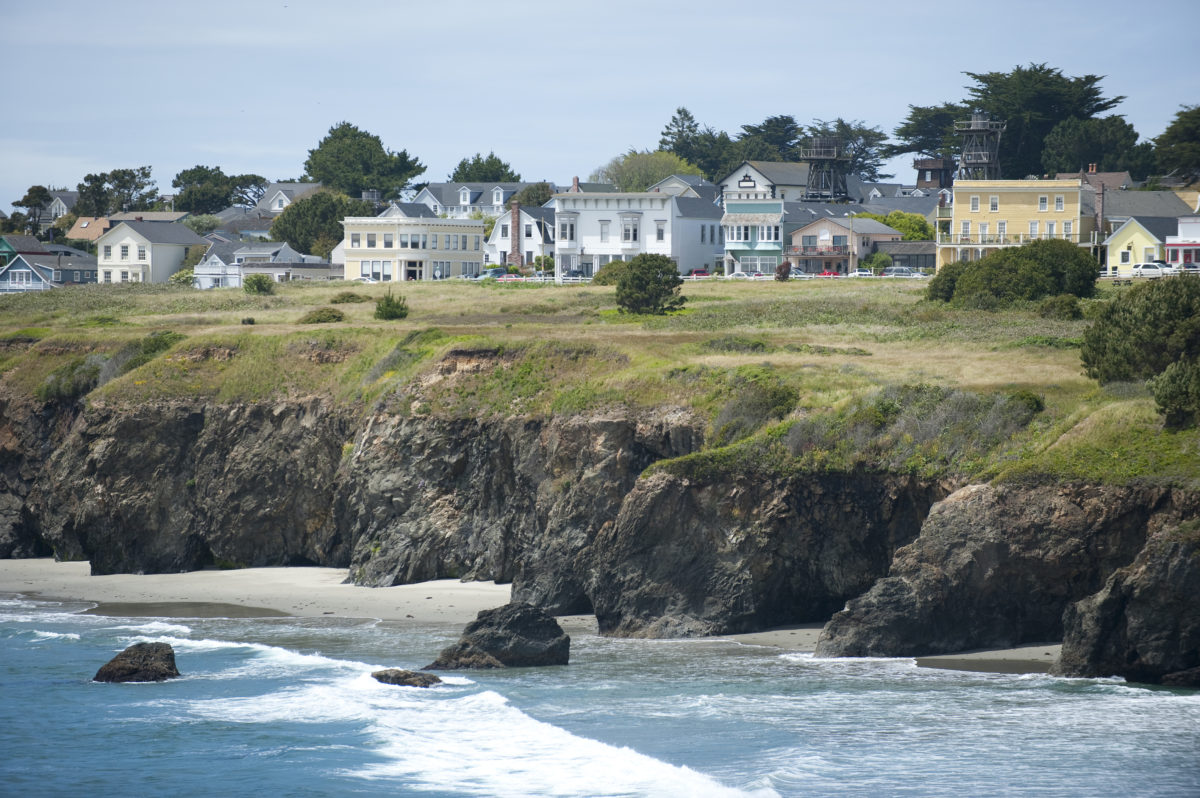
[39, 272]
[391, 248]
[1183, 248]
[836, 243]
[146, 252]
[1139, 239]
[520, 236]
[757, 230]
[595, 228]
[460, 200]
[777, 180]
[991, 214]
[226, 263]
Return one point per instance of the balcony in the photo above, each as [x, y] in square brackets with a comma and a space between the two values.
[819, 252]
[997, 240]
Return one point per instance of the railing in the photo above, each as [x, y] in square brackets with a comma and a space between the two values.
[818, 251]
[995, 239]
[9, 286]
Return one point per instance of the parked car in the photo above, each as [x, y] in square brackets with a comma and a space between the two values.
[762, 276]
[364, 280]
[1149, 270]
[899, 271]
[829, 273]
[861, 273]
[699, 273]
[494, 272]
[738, 275]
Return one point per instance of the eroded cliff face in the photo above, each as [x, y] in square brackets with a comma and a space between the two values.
[686, 558]
[175, 487]
[996, 566]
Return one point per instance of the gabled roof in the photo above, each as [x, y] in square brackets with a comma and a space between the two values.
[698, 208]
[23, 243]
[1158, 226]
[292, 190]
[409, 210]
[780, 173]
[65, 251]
[162, 232]
[68, 198]
[1143, 203]
[907, 247]
[53, 261]
[447, 193]
[1110, 180]
[88, 228]
[804, 212]
[867, 226]
[223, 251]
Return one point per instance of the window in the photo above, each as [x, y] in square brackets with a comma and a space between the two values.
[1033, 229]
[464, 243]
[529, 231]
[497, 197]
[1125, 256]
[1051, 228]
[356, 240]
[808, 241]
[974, 204]
[477, 242]
[1058, 202]
[604, 232]
[983, 231]
[464, 197]
[452, 243]
[387, 270]
[660, 231]
[1068, 229]
[993, 203]
[56, 276]
[141, 252]
[566, 231]
[446, 242]
[768, 233]
[124, 252]
[504, 231]
[1001, 230]
[966, 229]
[371, 240]
[279, 203]
[703, 228]
[107, 276]
[403, 240]
[424, 241]
[124, 276]
[739, 232]
[76, 276]
[108, 254]
[434, 239]
[1043, 203]
[388, 240]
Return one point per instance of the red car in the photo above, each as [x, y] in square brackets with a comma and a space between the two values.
[828, 273]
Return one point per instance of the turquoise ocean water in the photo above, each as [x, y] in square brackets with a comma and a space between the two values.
[287, 707]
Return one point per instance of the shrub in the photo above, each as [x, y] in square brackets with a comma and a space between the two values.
[248, 320]
[389, 307]
[1151, 332]
[183, 277]
[941, 287]
[141, 352]
[651, 284]
[258, 284]
[876, 262]
[346, 297]
[322, 316]
[1063, 306]
[610, 273]
[72, 379]
[1038, 269]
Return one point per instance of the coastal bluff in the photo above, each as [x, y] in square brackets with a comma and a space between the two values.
[569, 510]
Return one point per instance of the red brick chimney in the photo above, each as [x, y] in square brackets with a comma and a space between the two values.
[1091, 169]
[575, 184]
[514, 249]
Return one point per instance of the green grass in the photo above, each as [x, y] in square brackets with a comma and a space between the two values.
[785, 378]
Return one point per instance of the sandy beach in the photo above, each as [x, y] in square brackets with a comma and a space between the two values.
[314, 592]
[310, 592]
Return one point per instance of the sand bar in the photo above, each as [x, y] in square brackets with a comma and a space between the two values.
[307, 592]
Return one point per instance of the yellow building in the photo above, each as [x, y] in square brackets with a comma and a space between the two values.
[990, 214]
[1137, 240]
[396, 248]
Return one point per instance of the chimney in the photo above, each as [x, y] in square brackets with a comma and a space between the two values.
[575, 184]
[1091, 169]
[514, 249]
[1100, 209]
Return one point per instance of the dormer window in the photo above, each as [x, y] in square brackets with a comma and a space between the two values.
[498, 197]
[464, 196]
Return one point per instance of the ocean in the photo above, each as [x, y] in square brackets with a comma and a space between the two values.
[287, 707]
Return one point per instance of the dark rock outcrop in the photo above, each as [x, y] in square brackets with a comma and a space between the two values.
[27, 432]
[179, 487]
[1144, 624]
[686, 558]
[405, 678]
[513, 636]
[996, 566]
[141, 662]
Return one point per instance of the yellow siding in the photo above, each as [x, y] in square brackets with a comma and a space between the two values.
[1136, 245]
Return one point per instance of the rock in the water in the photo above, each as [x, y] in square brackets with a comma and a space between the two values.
[141, 662]
[1144, 624]
[406, 678]
[516, 635]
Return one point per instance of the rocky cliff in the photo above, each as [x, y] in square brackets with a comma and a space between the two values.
[997, 565]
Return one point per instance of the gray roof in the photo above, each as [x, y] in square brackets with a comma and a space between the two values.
[148, 216]
[907, 247]
[868, 226]
[698, 208]
[782, 173]
[595, 188]
[223, 250]
[70, 252]
[24, 243]
[922, 206]
[1144, 203]
[165, 233]
[1159, 226]
[447, 193]
[802, 213]
[69, 198]
[410, 210]
[292, 190]
[53, 261]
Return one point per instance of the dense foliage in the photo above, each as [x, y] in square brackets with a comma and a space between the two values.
[322, 316]
[350, 160]
[388, 307]
[204, 189]
[258, 284]
[1042, 268]
[1178, 148]
[610, 273]
[313, 224]
[1152, 332]
[479, 169]
[651, 284]
[637, 171]
[117, 191]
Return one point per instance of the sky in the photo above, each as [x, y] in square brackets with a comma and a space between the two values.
[555, 89]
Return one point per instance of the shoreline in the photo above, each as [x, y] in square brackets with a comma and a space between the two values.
[320, 592]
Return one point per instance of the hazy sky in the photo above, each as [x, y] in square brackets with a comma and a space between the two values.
[556, 89]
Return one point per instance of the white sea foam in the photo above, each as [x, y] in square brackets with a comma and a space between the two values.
[39, 635]
[156, 628]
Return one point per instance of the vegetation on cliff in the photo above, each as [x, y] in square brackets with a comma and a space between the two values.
[811, 376]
